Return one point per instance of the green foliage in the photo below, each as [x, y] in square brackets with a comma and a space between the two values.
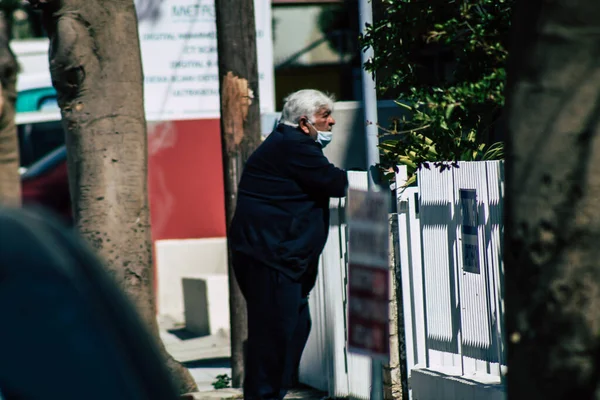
[446, 61]
[222, 382]
[414, 149]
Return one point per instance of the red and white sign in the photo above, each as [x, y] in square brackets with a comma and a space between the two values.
[368, 273]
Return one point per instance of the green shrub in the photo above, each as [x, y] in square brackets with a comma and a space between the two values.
[444, 61]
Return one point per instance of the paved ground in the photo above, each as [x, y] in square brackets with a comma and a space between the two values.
[206, 358]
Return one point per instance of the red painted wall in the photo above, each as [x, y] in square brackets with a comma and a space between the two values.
[185, 179]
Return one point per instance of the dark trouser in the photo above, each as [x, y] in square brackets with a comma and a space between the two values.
[278, 327]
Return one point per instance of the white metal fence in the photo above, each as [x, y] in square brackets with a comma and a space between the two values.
[326, 365]
[451, 276]
[450, 231]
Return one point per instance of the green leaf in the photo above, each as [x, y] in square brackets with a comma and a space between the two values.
[447, 115]
[449, 110]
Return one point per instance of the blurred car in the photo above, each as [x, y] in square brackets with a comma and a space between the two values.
[45, 183]
[43, 167]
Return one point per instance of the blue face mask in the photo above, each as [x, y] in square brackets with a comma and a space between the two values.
[323, 138]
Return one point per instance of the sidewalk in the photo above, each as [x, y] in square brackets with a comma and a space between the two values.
[206, 358]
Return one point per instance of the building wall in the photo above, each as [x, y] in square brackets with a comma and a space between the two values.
[186, 179]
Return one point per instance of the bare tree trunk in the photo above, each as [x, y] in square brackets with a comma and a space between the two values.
[96, 69]
[240, 136]
[552, 250]
[10, 180]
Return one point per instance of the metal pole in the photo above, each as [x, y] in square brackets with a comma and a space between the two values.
[371, 141]
[369, 97]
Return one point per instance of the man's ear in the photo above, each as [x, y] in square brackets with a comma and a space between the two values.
[303, 125]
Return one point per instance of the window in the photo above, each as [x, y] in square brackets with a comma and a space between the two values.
[37, 139]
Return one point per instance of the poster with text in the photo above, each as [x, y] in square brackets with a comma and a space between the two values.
[178, 40]
[368, 273]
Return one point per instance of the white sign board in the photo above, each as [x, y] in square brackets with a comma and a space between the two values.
[178, 39]
[368, 273]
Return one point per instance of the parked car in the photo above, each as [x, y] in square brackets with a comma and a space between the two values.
[43, 167]
[45, 183]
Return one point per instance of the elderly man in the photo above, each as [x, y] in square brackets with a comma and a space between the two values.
[277, 235]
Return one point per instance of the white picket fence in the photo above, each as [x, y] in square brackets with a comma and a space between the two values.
[451, 275]
[450, 238]
[325, 364]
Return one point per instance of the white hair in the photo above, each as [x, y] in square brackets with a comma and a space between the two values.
[304, 103]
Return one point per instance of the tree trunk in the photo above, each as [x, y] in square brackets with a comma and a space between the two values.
[240, 135]
[552, 241]
[10, 179]
[96, 68]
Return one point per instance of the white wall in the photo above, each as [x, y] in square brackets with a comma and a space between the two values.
[188, 258]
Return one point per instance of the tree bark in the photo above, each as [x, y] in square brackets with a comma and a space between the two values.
[96, 68]
[552, 246]
[10, 179]
[240, 135]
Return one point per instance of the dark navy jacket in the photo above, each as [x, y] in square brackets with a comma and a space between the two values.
[282, 212]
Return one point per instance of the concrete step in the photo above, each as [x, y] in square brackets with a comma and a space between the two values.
[200, 348]
[294, 394]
